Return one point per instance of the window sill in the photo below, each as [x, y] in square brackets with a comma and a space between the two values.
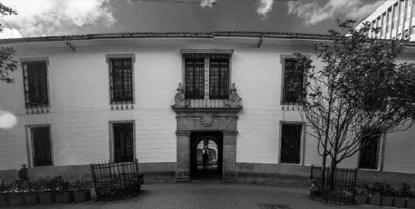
[37, 110]
[291, 107]
[122, 106]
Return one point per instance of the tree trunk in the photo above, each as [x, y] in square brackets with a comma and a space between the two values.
[323, 177]
[332, 174]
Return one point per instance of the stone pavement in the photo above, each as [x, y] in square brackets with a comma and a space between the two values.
[204, 196]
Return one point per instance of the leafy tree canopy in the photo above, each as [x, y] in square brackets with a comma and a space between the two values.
[7, 62]
[359, 93]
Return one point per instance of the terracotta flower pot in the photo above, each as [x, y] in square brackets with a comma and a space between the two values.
[375, 199]
[3, 200]
[361, 198]
[387, 201]
[63, 197]
[31, 198]
[400, 202]
[16, 199]
[82, 195]
[46, 197]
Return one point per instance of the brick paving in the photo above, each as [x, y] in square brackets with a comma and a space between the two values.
[204, 196]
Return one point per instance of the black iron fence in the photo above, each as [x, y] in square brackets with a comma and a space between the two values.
[338, 189]
[116, 180]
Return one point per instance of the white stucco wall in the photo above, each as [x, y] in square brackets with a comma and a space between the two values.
[80, 110]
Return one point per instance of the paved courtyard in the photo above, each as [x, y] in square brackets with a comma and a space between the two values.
[201, 196]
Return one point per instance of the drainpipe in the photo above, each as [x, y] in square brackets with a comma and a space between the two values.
[72, 47]
[260, 41]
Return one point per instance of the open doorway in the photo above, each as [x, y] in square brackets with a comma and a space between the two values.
[206, 155]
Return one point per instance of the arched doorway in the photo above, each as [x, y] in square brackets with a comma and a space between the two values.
[211, 144]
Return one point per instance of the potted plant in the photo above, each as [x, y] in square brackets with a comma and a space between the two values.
[62, 194]
[314, 189]
[47, 190]
[404, 192]
[4, 189]
[387, 195]
[362, 194]
[375, 193]
[31, 196]
[15, 195]
[410, 201]
[81, 190]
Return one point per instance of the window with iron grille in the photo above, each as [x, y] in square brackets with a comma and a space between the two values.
[293, 81]
[195, 75]
[35, 84]
[219, 76]
[41, 146]
[121, 80]
[123, 135]
[291, 143]
[368, 157]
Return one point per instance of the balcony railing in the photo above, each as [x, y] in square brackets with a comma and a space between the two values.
[206, 103]
[234, 101]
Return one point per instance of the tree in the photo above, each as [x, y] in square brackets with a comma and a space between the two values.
[7, 62]
[360, 93]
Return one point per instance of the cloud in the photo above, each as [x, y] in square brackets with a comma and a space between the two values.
[264, 6]
[313, 13]
[207, 3]
[55, 17]
[10, 33]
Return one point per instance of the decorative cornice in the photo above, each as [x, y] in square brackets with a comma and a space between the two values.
[230, 133]
[207, 51]
[183, 133]
[113, 56]
[132, 35]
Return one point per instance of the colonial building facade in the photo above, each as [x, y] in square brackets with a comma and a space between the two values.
[167, 98]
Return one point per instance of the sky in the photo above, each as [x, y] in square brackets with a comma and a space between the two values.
[68, 17]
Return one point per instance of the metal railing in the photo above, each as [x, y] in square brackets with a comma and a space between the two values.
[340, 190]
[207, 103]
[116, 180]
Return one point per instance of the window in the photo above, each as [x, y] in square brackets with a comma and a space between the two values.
[41, 146]
[206, 74]
[291, 143]
[194, 76]
[219, 76]
[35, 85]
[368, 157]
[121, 80]
[293, 81]
[123, 141]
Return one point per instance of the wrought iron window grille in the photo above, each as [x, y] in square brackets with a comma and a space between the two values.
[207, 74]
[41, 146]
[291, 143]
[35, 87]
[293, 82]
[121, 83]
[369, 155]
[123, 135]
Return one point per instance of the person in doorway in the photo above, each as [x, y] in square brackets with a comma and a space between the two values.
[205, 157]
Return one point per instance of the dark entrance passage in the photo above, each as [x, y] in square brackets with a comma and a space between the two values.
[206, 155]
